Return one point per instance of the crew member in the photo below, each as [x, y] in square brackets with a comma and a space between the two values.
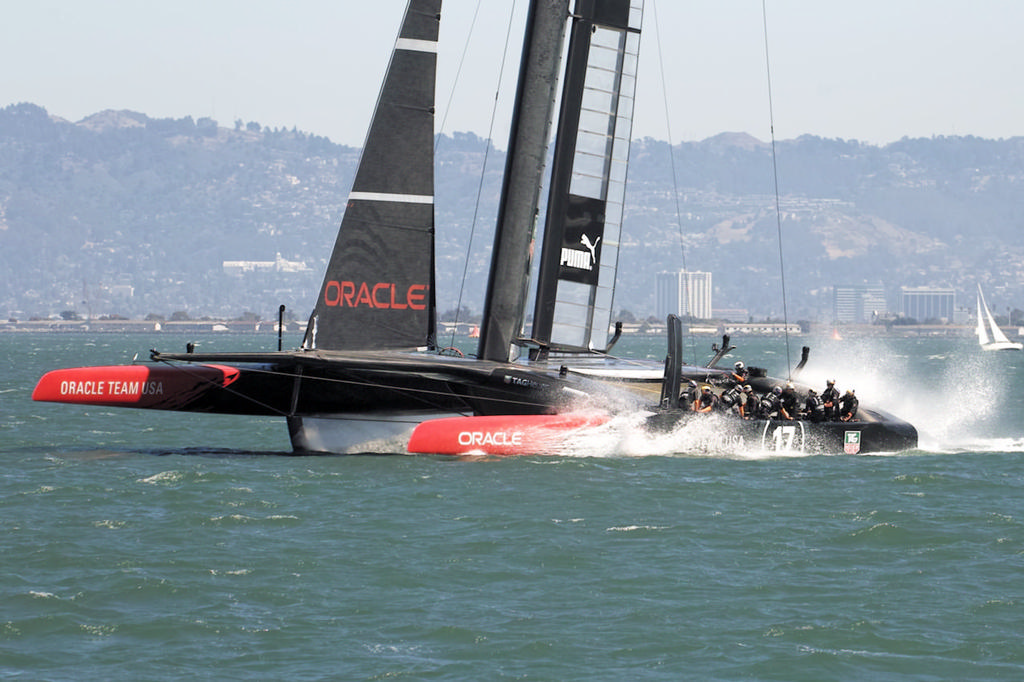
[730, 399]
[848, 407]
[771, 407]
[687, 397]
[814, 407]
[706, 401]
[830, 399]
[740, 373]
[790, 401]
[747, 406]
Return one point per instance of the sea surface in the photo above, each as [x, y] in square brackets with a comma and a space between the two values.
[160, 546]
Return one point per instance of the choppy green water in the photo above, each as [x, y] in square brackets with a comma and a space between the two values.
[156, 546]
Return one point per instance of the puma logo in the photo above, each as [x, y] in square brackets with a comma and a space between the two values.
[585, 240]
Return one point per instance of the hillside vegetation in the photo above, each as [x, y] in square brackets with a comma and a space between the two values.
[123, 214]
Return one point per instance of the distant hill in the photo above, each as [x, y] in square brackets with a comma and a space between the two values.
[123, 214]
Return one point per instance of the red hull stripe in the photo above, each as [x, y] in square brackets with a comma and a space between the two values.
[147, 386]
[500, 434]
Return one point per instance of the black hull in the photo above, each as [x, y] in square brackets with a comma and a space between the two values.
[371, 402]
[317, 384]
[877, 432]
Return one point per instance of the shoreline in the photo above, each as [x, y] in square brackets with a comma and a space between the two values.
[270, 327]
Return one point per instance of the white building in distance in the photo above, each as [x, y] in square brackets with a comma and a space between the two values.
[684, 294]
[240, 267]
[858, 303]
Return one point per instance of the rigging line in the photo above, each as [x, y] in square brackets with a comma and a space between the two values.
[437, 143]
[775, 177]
[483, 169]
[458, 72]
[675, 180]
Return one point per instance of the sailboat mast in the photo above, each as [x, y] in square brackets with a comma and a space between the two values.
[508, 282]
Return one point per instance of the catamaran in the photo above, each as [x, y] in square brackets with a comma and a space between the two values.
[369, 376]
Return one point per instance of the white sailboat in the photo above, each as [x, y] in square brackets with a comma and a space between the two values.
[990, 336]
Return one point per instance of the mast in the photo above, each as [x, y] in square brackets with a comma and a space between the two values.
[508, 282]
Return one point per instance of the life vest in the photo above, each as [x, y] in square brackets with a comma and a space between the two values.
[686, 399]
[814, 406]
[769, 404]
[831, 395]
[789, 400]
[729, 398]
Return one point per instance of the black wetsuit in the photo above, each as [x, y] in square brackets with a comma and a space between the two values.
[790, 401]
[814, 408]
[831, 395]
[686, 399]
[768, 407]
[848, 407]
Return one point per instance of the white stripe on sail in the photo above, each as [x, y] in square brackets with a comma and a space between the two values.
[416, 45]
[398, 198]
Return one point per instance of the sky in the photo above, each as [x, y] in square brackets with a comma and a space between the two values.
[871, 70]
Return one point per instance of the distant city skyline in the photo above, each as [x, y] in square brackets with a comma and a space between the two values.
[684, 293]
[875, 71]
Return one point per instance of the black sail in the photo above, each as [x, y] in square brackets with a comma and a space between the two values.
[378, 291]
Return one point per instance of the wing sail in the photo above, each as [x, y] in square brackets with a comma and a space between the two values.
[576, 281]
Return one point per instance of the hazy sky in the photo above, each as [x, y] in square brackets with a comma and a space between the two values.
[872, 70]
